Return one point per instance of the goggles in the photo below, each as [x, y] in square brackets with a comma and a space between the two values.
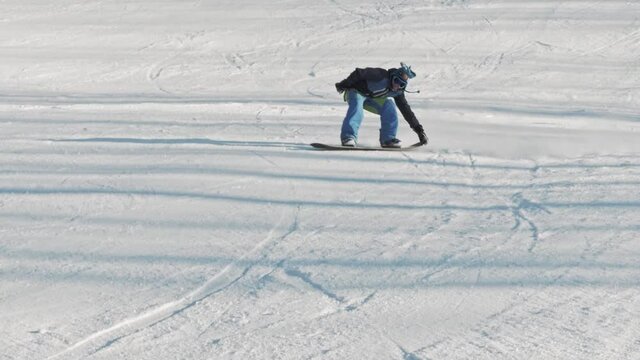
[399, 81]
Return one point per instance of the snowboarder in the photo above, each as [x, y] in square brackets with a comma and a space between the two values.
[371, 89]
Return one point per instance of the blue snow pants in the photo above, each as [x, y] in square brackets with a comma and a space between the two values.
[385, 107]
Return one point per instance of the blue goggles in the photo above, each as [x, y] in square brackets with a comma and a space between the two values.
[399, 81]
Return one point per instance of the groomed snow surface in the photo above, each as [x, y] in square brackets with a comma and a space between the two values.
[159, 200]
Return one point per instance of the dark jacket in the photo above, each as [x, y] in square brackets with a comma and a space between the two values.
[375, 83]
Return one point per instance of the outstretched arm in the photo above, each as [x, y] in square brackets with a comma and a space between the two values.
[410, 117]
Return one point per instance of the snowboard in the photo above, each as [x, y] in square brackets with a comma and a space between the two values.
[364, 148]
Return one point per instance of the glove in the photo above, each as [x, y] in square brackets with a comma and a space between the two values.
[339, 88]
[421, 135]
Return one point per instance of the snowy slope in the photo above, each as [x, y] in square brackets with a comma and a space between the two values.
[159, 200]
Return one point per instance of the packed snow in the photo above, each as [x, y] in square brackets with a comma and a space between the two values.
[159, 198]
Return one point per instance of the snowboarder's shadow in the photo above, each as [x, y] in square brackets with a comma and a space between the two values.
[186, 141]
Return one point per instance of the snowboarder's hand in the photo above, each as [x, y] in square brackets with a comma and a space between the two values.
[421, 135]
[339, 88]
[423, 138]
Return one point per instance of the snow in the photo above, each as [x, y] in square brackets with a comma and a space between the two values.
[159, 199]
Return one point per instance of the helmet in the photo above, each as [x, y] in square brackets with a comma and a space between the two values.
[406, 69]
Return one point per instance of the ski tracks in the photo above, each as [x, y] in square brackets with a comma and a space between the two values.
[224, 279]
[227, 277]
[376, 15]
[513, 327]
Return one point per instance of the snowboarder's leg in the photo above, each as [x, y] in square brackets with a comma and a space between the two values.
[388, 121]
[353, 119]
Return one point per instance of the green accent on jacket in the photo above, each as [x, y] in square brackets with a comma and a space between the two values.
[380, 101]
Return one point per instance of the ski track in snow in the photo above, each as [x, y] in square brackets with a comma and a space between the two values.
[231, 274]
[226, 278]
